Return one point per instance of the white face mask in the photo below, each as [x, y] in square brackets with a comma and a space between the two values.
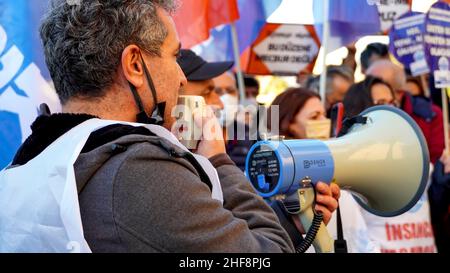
[250, 101]
[318, 129]
[231, 107]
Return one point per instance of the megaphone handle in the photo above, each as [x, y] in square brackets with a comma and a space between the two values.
[323, 243]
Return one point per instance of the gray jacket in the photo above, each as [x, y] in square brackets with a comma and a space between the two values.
[136, 197]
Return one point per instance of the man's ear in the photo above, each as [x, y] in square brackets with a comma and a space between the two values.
[132, 66]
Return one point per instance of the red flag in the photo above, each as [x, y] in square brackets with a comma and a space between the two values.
[195, 18]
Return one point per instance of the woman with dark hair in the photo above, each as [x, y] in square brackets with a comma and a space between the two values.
[297, 108]
[370, 92]
[414, 86]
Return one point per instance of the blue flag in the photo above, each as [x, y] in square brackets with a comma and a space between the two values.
[253, 17]
[24, 79]
[349, 20]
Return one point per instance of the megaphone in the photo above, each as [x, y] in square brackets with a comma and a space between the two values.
[384, 162]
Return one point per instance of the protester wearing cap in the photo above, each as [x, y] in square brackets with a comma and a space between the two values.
[200, 75]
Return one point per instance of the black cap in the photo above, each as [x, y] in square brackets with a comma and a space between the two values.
[197, 69]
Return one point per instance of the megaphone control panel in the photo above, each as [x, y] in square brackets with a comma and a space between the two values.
[264, 169]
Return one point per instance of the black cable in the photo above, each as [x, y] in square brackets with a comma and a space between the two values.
[311, 234]
[314, 228]
[340, 245]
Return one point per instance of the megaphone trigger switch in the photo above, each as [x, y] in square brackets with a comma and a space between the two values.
[306, 182]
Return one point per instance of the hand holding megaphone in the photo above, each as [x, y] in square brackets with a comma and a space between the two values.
[325, 202]
[314, 212]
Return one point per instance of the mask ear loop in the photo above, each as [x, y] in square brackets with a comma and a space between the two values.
[159, 108]
[142, 117]
[137, 99]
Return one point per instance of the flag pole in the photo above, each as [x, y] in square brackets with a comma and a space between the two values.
[445, 118]
[325, 43]
[426, 89]
[237, 58]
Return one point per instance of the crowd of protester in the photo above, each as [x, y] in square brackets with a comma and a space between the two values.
[385, 83]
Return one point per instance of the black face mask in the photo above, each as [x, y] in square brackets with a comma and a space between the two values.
[157, 117]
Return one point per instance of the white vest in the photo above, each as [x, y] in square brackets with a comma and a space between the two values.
[39, 210]
[410, 232]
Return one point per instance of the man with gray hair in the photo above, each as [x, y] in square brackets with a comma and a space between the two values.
[138, 189]
[427, 115]
[339, 80]
[389, 72]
